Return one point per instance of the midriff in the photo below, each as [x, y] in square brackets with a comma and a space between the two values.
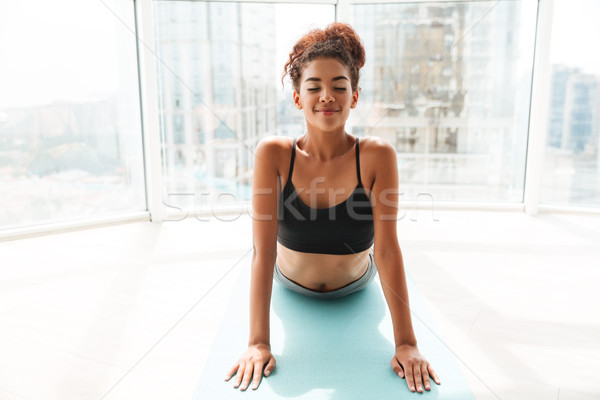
[322, 272]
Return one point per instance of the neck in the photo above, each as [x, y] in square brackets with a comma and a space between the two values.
[326, 146]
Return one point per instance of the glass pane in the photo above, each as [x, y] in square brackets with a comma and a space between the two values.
[70, 132]
[571, 173]
[448, 84]
[220, 67]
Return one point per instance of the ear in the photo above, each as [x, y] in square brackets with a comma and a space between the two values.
[354, 99]
[297, 102]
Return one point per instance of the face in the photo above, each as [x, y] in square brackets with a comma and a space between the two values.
[326, 94]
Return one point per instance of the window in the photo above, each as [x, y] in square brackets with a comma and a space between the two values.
[571, 173]
[70, 129]
[239, 101]
[447, 83]
[452, 93]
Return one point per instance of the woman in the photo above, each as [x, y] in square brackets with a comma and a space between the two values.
[315, 236]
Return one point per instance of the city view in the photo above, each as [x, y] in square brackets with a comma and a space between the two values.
[448, 84]
[449, 92]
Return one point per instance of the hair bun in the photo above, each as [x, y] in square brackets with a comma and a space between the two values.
[349, 38]
[332, 37]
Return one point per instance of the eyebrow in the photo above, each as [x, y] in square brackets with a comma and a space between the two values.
[337, 78]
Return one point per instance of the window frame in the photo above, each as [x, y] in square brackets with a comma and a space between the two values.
[538, 113]
[150, 126]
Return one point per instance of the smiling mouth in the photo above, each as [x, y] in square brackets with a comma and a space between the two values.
[327, 112]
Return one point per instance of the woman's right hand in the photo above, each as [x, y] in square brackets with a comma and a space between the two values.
[251, 364]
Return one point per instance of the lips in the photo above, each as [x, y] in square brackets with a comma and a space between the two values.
[327, 111]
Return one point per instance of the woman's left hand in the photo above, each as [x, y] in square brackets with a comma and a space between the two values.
[410, 364]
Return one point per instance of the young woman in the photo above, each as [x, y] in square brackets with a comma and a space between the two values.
[333, 226]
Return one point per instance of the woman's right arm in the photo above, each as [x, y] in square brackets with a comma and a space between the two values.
[265, 192]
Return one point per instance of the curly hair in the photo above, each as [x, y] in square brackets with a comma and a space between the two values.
[338, 41]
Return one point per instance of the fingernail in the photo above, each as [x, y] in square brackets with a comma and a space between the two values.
[267, 373]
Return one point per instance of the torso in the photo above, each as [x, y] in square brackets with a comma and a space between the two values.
[324, 272]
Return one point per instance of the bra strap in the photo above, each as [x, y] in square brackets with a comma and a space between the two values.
[289, 179]
[358, 164]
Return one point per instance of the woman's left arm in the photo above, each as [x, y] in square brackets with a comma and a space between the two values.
[407, 362]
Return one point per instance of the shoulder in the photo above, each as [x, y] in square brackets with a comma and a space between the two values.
[274, 144]
[272, 153]
[274, 148]
[377, 152]
[375, 143]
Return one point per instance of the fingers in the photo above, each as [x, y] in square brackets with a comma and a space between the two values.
[397, 368]
[270, 366]
[231, 372]
[247, 376]
[240, 374]
[253, 371]
[417, 373]
[411, 373]
[249, 369]
[418, 378]
[257, 375]
[425, 375]
[433, 375]
[404, 372]
[410, 380]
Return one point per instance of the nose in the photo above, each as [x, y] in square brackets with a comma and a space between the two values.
[326, 97]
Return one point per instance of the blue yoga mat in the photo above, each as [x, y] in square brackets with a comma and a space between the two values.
[328, 349]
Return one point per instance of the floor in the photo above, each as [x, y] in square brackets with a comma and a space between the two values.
[130, 311]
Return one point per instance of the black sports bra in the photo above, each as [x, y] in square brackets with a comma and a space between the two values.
[345, 228]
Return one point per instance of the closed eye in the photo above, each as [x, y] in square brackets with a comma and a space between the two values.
[314, 89]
